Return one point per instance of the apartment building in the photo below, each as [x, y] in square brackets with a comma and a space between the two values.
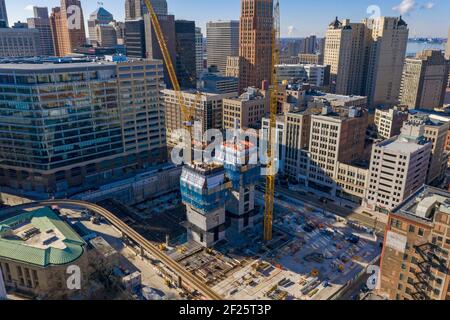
[223, 42]
[72, 126]
[207, 109]
[245, 111]
[389, 122]
[398, 168]
[424, 80]
[415, 258]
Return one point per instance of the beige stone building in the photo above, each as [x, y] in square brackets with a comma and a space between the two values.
[311, 58]
[415, 258]
[424, 80]
[255, 46]
[388, 122]
[232, 69]
[245, 111]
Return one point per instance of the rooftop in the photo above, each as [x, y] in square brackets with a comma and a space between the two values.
[40, 238]
[399, 145]
[424, 204]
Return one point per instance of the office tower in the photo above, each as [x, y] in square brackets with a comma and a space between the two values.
[59, 38]
[309, 45]
[293, 48]
[36, 248]
[19, 42]
[100, 17]
[120, 31]
[345, 52]
[414, 261]
[108, 121]
[204, 192]
[105, 36]
[337, 136]
[435, 131]
[389, 122]
[186, 66]
[199, 51]
[135, 41]
[41, 22]
[73, 21]
[233, 67]
[136, 9]
[207, 110]
[167, 24]
[388, 40]
[398, 168]
[321, 45]
[223, 42]
[245, 111]
[307, 58]
[255, 44]
[240, 207]
[215, 83]
[3, 15]
[424, 80]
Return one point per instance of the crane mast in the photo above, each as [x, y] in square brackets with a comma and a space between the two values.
[270, 174]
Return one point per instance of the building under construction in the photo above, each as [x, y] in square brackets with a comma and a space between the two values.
[204, 191]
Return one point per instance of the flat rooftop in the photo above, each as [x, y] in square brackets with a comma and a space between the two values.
[40, 238]
[400, 145]
[423, 204]
[51, 66]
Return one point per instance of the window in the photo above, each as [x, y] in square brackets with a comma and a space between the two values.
[412, 229]
[421, 232]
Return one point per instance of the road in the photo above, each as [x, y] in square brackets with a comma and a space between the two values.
[186, 276]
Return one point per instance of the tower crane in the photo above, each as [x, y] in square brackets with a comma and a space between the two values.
[273, 92]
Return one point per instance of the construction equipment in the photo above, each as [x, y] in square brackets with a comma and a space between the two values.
[186, 112]
[270, 178]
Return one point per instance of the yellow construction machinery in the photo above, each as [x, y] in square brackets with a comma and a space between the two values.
[271, 167]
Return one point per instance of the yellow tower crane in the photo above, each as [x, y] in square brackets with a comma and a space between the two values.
[187, 115]
[270, 175]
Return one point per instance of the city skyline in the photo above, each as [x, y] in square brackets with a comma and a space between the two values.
[297, 19]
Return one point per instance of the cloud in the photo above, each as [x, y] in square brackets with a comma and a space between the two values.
[29, 7]
[405, 7]
[292, 31]
[427, 6]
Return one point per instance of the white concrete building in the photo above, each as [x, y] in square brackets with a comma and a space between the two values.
[388, 122]
[311, 73]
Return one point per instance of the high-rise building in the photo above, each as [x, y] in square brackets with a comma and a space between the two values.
[223, 42]
[59, 38]
[3, 15]
[388, 39]
[309, 45]
[204, 191]
[100, 17]
[424, 80]
[105, 35]
[136, 9]
[389, 122]
[255, 43]
[245, 111]
[199, 51]
[74, 23]
[19, 42]
[415, 257]
[447, 51]
[135, 43]
[398, 168]
[41, 22]
[186, 66]
[207, 110]
[345, 47]
[108, 120]
[119, 26]
[337, 136]
[232, 69]
[167, 24]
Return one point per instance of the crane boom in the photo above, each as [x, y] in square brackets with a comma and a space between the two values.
[270, 178]
[186, 112]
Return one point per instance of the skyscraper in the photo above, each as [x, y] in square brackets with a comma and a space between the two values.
[424, 80]
[344, 52]
[199, 51]
[100, 17]
[255, 46]
[135, 38]
[185, 47]
[41, 22]
[388, 40]
[3, 14]
[135, 9]
[223, 42]
[447, 52]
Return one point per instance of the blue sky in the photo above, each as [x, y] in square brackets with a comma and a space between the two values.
[298, 17]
